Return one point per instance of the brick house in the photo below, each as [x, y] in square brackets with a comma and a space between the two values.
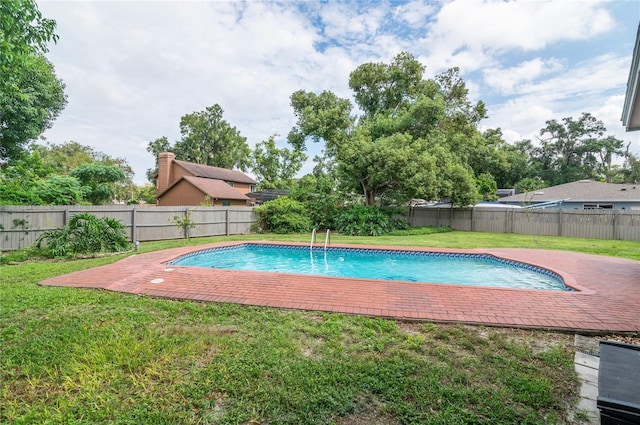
[187, 183]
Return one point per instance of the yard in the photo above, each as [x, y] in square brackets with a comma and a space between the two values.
[88, 356]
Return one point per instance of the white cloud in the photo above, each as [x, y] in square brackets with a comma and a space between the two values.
[132, 69]
[344, 22]
[415, 13]
[473, 34]
[510, 80]
[526, 25]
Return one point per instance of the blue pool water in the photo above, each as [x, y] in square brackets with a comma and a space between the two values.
[462, 269]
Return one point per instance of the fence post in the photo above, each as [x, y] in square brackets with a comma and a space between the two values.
[560, 222]
[65, 216]
[506, 220]
[473, 219]
[451, 216]
[226, 219]
[513, 220]
[134, 236]
[615, 224]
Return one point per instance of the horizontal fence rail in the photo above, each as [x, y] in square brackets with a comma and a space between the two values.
[597, 224]
[20, 226]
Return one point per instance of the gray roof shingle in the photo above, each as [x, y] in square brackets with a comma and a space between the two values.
[210, 172]
[583, 190]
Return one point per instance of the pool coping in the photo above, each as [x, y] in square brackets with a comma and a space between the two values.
[606, 292]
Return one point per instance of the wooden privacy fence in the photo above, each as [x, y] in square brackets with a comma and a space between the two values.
[20, 226]
[599, 224]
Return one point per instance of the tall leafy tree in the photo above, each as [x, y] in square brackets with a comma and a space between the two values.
[31, 96]
[573, 149]
[398, 148]
[275, 167]
[209, 139]
[30, 105]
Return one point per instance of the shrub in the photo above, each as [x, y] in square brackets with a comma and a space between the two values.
[363, 220]
[284, 215]
[323, 210]
[84, 234]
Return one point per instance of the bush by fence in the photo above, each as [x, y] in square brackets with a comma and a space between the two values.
[20, 226]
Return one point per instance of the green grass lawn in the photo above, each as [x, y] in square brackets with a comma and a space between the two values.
[89, 356]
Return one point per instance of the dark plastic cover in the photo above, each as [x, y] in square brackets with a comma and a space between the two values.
[619, 382]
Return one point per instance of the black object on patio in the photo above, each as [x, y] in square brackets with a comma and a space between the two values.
[619, 383]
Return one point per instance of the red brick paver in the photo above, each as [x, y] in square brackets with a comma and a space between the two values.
[607, 296]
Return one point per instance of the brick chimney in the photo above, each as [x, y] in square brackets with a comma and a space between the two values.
[164, 171]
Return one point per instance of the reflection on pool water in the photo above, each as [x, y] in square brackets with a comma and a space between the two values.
[413, 266]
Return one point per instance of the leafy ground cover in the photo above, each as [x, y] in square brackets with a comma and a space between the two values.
[86, 356]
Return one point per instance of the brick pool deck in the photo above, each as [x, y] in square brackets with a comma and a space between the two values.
[607, 296]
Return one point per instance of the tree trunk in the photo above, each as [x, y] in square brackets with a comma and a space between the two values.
[371, 198]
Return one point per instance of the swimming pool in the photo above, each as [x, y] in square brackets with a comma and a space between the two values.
[399, 265]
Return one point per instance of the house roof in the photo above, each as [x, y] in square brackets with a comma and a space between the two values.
[210, 172]
[214, 188]
[580, 191]
[631, 108]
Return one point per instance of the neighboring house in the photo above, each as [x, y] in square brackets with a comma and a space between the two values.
[186, 183]
[631, 109]
[581, 195]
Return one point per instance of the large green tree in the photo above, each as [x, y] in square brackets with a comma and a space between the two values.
[275, 167]
[573, 149]
[30, 106]
[401, 145]
[209, 139]
[206, 139]
[31, 96]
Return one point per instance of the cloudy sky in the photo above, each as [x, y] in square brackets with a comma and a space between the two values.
[132, 69]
